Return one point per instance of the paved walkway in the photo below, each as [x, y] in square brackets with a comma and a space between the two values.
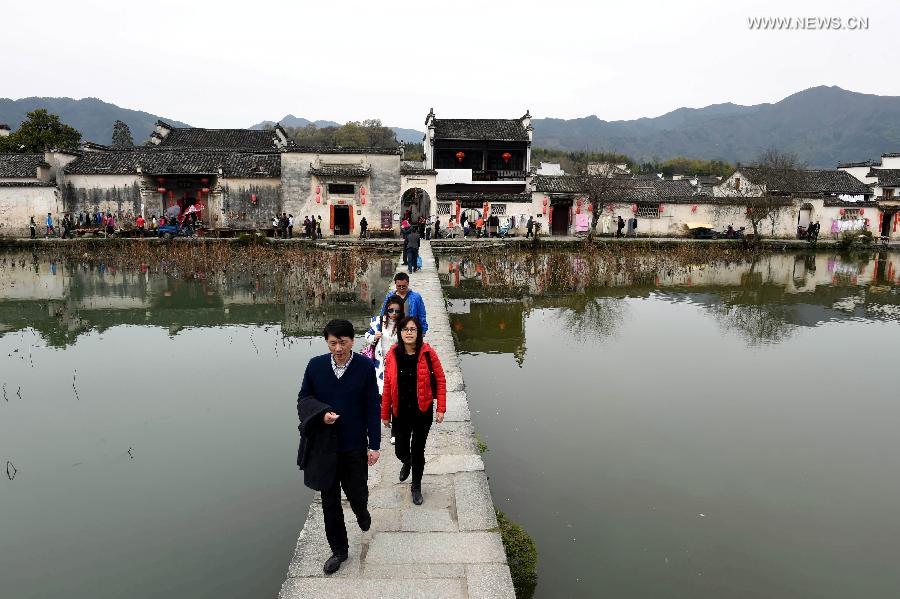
[447, 548]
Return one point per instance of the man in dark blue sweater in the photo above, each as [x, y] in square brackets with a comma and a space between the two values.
[346, 382]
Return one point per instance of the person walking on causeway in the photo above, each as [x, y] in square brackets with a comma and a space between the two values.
[413, 380]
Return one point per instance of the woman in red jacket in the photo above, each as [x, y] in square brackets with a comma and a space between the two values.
[413, 378]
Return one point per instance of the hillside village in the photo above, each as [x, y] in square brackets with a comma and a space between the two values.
[239, 179]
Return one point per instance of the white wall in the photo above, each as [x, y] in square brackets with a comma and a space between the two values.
[17, 204]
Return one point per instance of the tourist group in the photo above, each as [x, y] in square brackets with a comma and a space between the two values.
[396, 381]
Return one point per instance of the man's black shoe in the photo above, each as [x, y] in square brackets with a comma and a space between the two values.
[404, 471]
[333, 564]
[365, 523]
[417, 496]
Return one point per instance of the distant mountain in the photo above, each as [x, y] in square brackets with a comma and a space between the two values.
[294, 121]
[408, 136]
[92, 117]
[404, 135]
[822, 125]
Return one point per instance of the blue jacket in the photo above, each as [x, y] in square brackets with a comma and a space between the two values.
[413, 306]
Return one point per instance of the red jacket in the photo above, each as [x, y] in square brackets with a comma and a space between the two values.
[389, 398]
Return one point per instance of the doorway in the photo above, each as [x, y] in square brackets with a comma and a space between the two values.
[886, 219]
[341, 220]
[560, 218]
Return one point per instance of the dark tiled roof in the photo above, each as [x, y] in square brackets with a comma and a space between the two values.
[887, 177]
[863, 163]
[499, 129]
[832, 202]
[28, 184]
[339, 150]
[620, 188]
[447, 196]
[20, 165]
[352, 172]
[415, 167]
[806, 181]
[558, 184]
[177, 162]
[230, 139]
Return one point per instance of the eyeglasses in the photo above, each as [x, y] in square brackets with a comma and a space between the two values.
[393, 311]
[402, 286]
[410, 330]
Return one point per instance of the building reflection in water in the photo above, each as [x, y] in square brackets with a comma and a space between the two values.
[764, 300]
[63, 299]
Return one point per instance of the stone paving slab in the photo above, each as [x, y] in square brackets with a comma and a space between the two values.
[489, 581]
[419, 519]
[451, 464]
[369, 588]
[473, 501]
[447, 548]
[436, 547]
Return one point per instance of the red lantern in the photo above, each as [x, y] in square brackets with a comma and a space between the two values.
[252, 198]
[318, 199]
[590, 207]
[578, 207]
[362, 190]
[506, 156]
[867, 222]
[862, 211]
[460, 155]
[634, 208]
[841, 211]
[364, 200]
[318, 190]
[694, 208]
[161, 190]
[662, 208]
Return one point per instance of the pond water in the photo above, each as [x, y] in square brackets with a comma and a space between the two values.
[690, 430]
[148, 424]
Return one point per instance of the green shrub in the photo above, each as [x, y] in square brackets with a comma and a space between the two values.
[865, 237]
[482, 446]
[251, 239]
[521, 554]
[846, 240]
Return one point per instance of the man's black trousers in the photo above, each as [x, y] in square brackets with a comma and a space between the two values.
[410, 429]
[352, 472]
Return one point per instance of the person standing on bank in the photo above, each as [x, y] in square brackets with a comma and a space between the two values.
[413, 380]
[339, 390]
[412, 249]
[413, 304]
[33, 226]
[363, 228]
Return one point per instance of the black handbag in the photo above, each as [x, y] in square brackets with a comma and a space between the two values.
[431, 376]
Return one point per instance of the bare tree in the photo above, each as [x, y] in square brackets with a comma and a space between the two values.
[763, 192]
[601, 190]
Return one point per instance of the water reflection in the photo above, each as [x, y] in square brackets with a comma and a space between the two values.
[148, 428]
[63, 299]
[765, 300]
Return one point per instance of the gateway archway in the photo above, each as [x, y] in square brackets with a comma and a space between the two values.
[417, 203]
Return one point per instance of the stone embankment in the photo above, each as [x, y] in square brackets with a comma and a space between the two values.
[447, 548]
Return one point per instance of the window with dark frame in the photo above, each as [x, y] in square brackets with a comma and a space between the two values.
[647, 211]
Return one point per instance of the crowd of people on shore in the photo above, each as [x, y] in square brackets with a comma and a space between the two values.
[396, 381]
[283, 226]
[106, 223]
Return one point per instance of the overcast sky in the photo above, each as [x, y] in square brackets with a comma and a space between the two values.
[232, 64]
